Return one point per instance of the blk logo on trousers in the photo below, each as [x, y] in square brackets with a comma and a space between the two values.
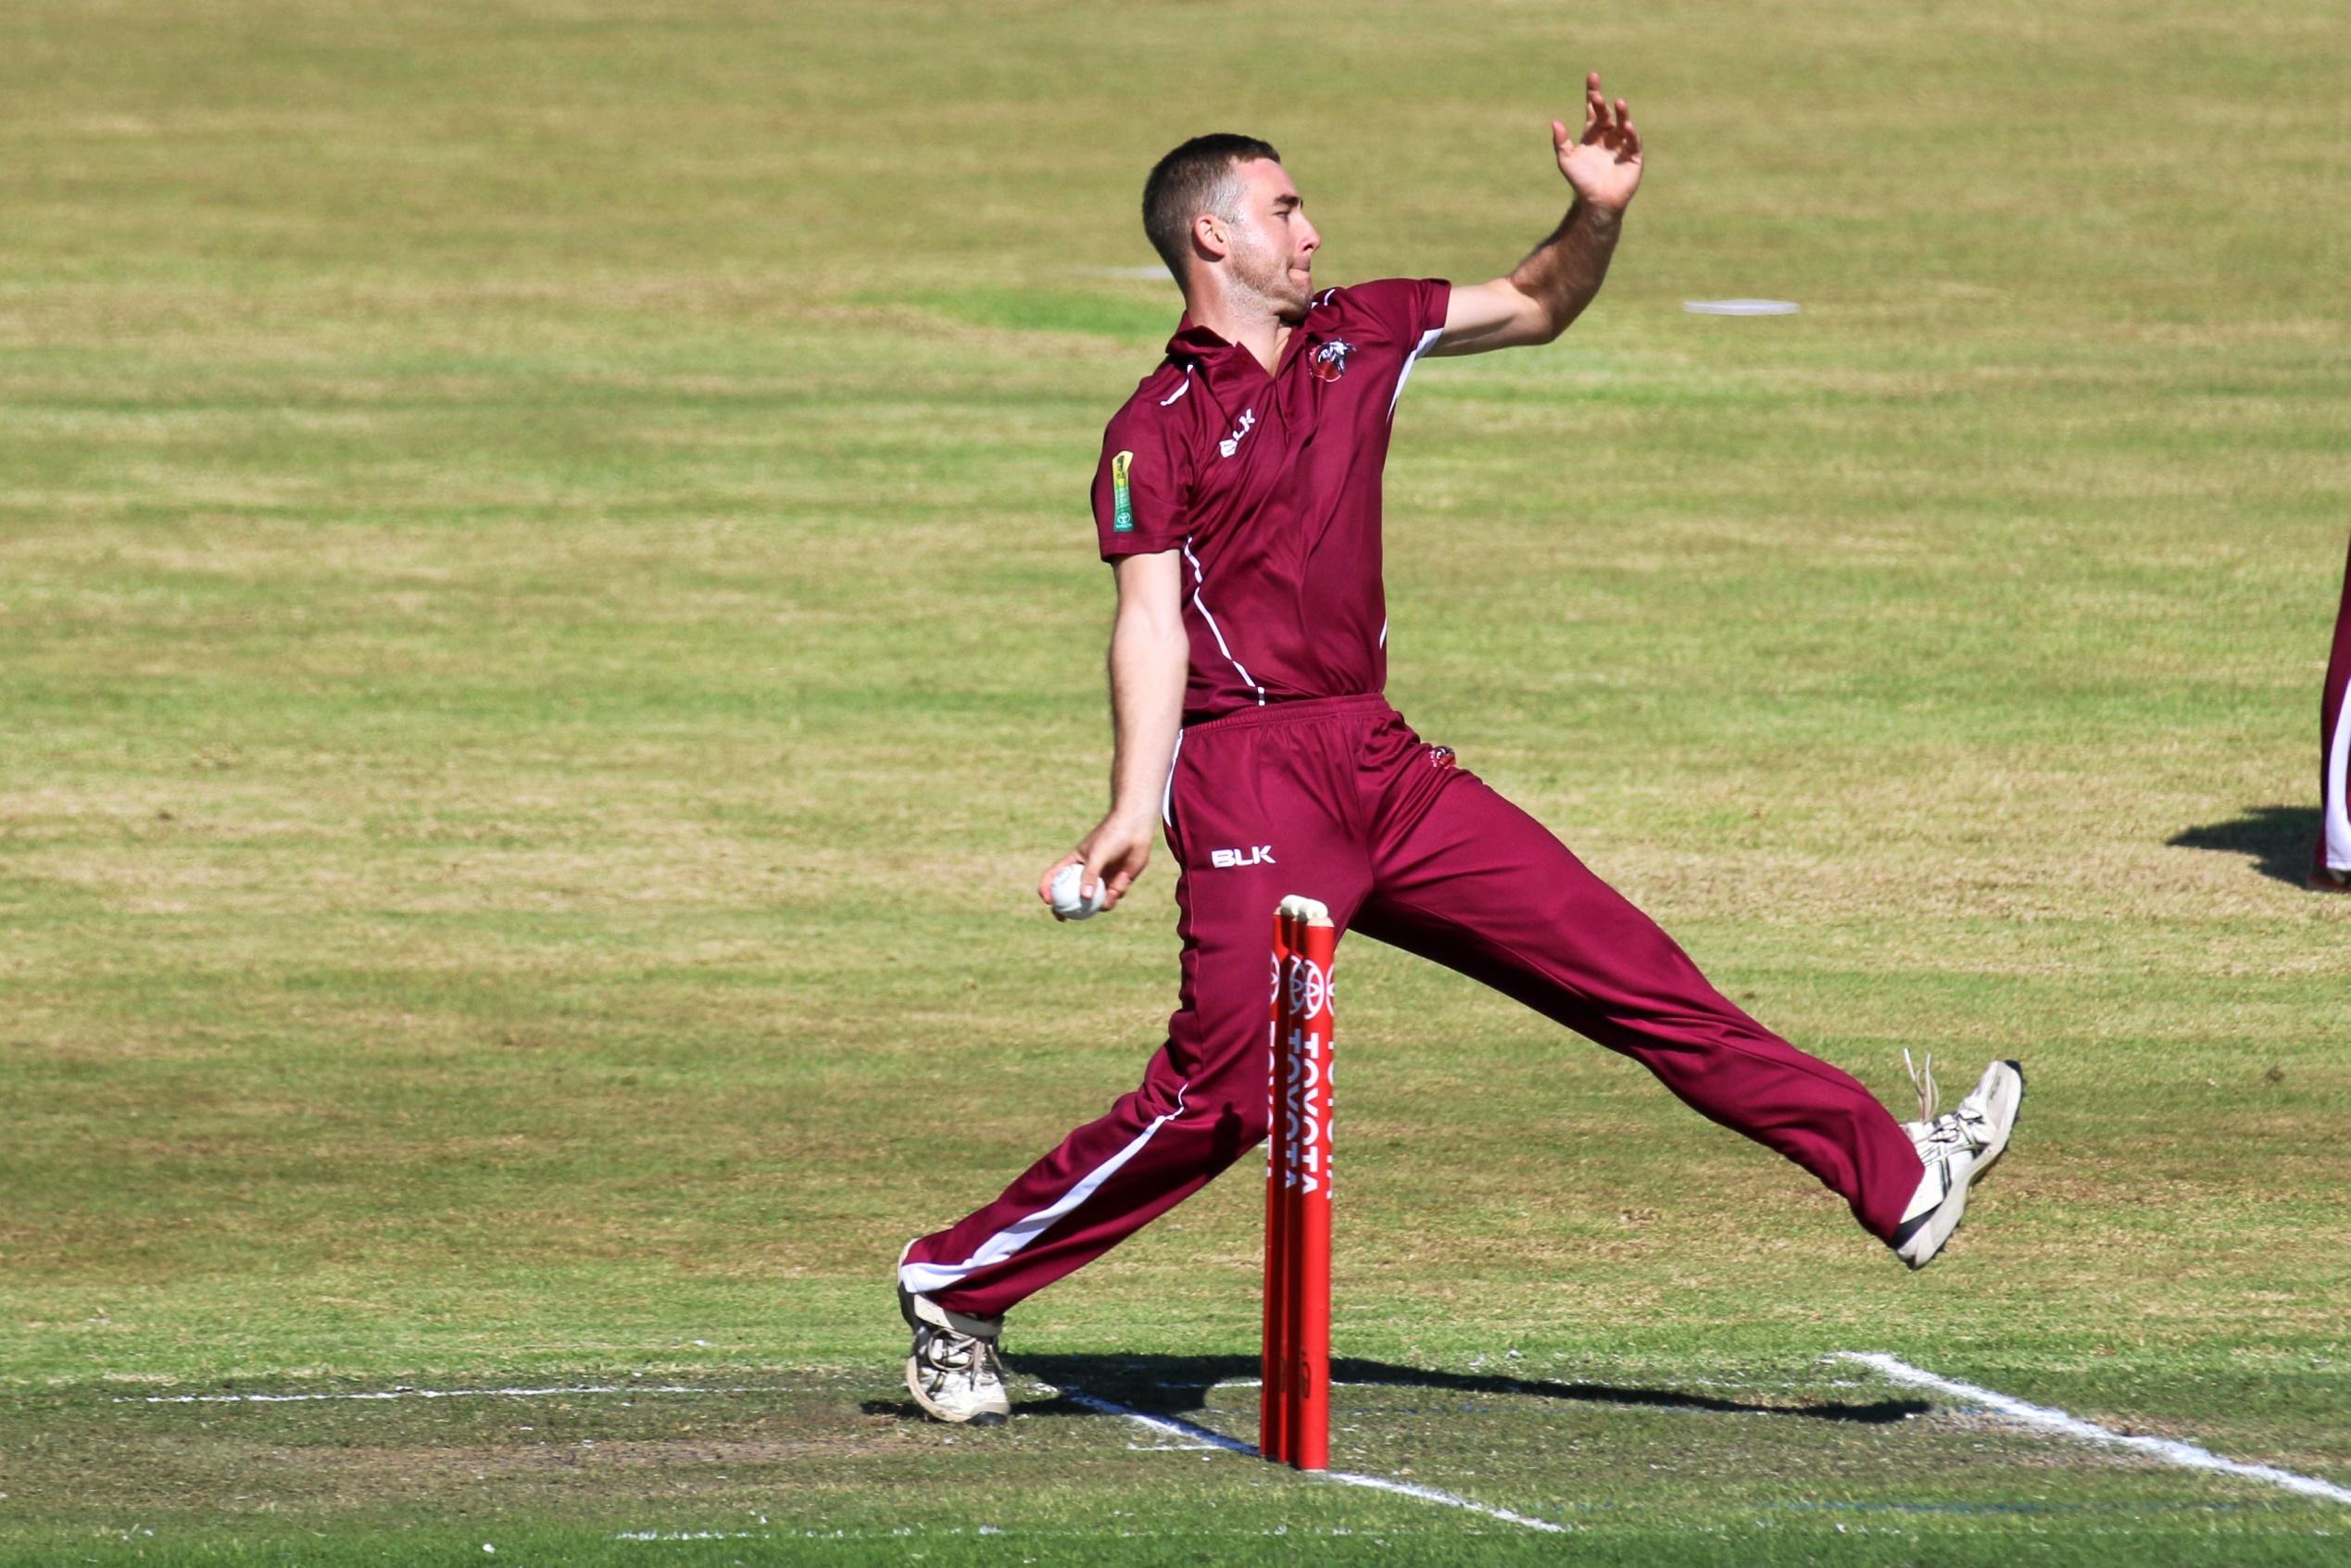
[1225, 859]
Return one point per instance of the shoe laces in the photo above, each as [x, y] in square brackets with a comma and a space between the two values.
[1922, 1081]
[961, 1355]
[1965, 1127]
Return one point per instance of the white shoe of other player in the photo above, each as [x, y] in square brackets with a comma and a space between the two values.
[953, 1371]
[1957, 1148]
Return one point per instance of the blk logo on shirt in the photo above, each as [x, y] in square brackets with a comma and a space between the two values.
[1231, 444]
[1225, 859]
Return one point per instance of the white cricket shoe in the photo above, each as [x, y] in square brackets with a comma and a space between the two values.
[1957, 1148]
[953, 1371]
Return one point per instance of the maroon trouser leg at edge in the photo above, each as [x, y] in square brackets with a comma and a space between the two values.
[1337, 800]
[2333, 855]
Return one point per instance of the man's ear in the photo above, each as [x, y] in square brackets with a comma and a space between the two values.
[1210, 239]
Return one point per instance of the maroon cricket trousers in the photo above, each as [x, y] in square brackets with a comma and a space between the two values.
[1336, 799]
[2334, 853]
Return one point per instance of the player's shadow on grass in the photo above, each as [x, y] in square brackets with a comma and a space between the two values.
[1175, 1386]
[2279, 839]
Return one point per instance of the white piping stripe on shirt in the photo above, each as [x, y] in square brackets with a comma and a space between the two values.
[1428, 341]
[924, 1278]
[2338, 778]
[1179, 390]
[1383, 634]
[1199, 580]
[1167, 792]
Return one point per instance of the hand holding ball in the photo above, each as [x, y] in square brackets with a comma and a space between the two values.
[1068, 901]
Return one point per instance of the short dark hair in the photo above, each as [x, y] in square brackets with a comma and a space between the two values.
[1195, 178]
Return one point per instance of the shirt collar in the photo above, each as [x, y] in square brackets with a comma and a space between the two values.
[1192, 340]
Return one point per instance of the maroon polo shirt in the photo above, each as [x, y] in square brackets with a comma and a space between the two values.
[1270, 487]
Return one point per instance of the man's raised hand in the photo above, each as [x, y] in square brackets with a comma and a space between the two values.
[1603, 165]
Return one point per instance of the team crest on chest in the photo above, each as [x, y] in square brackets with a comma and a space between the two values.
[1330, 362]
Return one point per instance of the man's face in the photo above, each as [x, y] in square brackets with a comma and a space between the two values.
[1273, 244]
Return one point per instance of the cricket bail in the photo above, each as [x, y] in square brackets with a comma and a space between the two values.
[1305, 910]
[1294, 1399]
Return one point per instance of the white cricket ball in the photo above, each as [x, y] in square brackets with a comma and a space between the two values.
[1066, 901]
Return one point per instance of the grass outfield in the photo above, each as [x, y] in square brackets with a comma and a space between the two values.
[548, 623]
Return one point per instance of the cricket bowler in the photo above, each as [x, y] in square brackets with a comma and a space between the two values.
[1238, 502]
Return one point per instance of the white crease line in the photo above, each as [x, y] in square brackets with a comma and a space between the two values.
[1171, 1426]
[439, 1394]
[1526, 1382]
[2185, 1455]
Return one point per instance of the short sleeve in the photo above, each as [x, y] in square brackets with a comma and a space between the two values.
[1408, 310]
[1139, 495]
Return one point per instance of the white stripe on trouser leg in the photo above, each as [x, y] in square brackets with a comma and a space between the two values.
[1167, 792]
[924, 1278]
[2338, 812]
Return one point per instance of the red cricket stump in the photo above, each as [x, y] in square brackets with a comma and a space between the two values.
[1293, 1418]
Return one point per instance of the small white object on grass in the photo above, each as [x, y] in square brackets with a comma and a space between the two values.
[1739, 306]
[1067, 903]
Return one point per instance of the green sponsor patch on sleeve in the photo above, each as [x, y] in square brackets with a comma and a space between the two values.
[1123, 513]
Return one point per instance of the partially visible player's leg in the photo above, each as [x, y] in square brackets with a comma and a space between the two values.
[1200, 1106]
[1253, 817]
[1468, 879]
[2330, 868]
